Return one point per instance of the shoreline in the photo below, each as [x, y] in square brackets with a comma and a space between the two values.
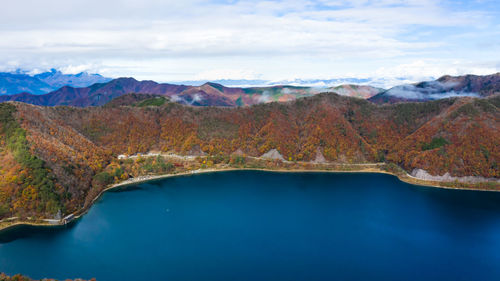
[144, 179]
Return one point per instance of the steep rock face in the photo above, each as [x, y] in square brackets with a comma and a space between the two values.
[319, 159]
[444, 87]
[273, 154]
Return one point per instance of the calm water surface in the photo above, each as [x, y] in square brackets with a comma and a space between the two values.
[250, 225]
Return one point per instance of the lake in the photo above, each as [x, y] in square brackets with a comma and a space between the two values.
[253, 225]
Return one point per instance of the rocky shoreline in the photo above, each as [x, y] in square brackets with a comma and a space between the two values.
[424, 175]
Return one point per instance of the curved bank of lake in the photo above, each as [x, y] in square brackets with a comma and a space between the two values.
[248, 225]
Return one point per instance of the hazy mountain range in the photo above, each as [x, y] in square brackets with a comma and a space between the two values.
[20, 81]
[385, 83]
[43, 83]
[94, 90]
[208, 94]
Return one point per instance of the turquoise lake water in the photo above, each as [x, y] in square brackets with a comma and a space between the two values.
[249, 225]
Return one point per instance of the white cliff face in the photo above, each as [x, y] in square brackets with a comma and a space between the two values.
[424, 175]
[273, 154]
[320, 159]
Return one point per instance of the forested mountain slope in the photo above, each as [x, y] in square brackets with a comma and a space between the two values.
[60, 158]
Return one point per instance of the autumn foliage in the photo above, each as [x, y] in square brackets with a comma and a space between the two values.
[79, 146]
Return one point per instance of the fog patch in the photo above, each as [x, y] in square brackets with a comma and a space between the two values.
[190, 100]
[453, 94]
[197, 98]
[176, 98]
[341, 91]
[447, 84]
[265, 97]
[287, 91]
[428, 90]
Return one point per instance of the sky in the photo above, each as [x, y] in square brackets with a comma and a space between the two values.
[166, 40]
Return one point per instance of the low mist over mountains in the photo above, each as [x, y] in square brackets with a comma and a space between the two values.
[208, 94]
[444, 87]
[73, 91]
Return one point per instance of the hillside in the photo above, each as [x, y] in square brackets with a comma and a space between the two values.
[56, 160]
[444, 87]
[134, 99]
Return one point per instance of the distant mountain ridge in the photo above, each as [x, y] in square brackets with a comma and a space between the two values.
[208, 94]
[215, 94]
[57, 79]
[12, 83]
[377, 82]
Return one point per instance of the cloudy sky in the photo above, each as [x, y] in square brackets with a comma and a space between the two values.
[168, 40]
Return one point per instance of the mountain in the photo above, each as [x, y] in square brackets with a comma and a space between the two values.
[58, 159]
[359, 91]
[446, 86]
[19, 82]
[13, 83]
[75, 90]
[97, 94]
[57, 79]
[377, 82]
[208, 94]
[227, 82]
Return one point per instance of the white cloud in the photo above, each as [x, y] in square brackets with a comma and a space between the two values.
[173, 40]
[432, 90]
[75, 69]
[265, 97]
[423, 69]
[215, 74]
